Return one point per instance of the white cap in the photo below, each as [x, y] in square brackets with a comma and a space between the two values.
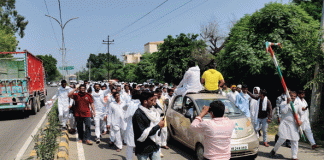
[239, 86]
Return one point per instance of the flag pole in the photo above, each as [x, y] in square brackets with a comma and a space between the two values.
[269, 49]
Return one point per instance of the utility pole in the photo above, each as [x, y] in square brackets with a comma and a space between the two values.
[63, 44]
[108, 43]
[317, 88]
[89, 70]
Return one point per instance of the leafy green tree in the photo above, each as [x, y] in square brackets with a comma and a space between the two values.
[129, 72]
[313, 7]
[10, 19]
[146, 68]
[245, 59]
[8, 41]
[49, 63]
[173, 55]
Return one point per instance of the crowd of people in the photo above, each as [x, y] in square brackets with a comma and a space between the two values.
[114, 107]
[134, 114]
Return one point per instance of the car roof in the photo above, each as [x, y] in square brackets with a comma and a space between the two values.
[205, 96]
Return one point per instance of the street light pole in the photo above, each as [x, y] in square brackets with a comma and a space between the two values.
[89, 70]
[63, 44]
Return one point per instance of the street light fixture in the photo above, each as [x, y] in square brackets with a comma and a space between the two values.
[63, 44]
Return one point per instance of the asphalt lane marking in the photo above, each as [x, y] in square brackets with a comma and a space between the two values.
[80, 149]
[30, 138]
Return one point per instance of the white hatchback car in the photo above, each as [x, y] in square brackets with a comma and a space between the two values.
[182, 110]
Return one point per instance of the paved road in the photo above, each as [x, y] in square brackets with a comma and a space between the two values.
[16, 128]
[177, 151]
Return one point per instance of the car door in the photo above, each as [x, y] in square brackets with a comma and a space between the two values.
[185, 122]
[175, 116]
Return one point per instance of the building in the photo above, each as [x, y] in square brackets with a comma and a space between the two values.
[131, 58]
[151, 47]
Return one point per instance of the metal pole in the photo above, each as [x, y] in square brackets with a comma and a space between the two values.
[108, 43]
[89, 70]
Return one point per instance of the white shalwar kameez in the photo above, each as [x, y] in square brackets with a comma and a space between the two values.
[305, 119]
[71, 117]
[100, 110]
[63, 104]
[288, 128]
[116, 122]
[129, 133]
[232, 95]
[190, 82]
[254, 110]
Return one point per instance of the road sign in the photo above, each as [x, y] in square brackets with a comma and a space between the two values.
[67, 68]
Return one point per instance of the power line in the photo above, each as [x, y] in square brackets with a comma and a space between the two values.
[156, 19]
[52, 25]
[168, 20]
[140, 18]
[165, 21]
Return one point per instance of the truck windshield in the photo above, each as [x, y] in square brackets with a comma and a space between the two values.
[230, 108]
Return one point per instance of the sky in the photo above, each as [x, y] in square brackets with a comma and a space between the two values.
[121, 20]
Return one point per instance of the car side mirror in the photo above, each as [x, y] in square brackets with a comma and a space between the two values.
[188, 115]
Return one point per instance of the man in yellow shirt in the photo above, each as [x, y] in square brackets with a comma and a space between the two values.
[211, 77]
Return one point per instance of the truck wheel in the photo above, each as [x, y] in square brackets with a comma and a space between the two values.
[34, 106]
[38, 103]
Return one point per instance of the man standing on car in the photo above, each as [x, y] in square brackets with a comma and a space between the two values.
[146, 123]
[82, 112]
[211, 77]
[217, 132]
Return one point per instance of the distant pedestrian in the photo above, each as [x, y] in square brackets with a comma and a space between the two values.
[82, 112]
[212, 77]
[217, 132]
[239, 88]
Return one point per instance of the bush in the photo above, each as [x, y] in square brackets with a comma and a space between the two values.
[46, 143]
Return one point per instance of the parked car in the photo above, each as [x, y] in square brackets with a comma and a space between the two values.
[182, 111]
[53, 84]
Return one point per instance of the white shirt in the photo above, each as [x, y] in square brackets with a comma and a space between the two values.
[116, 116]
[129, 133]
[232, 95]
[62, 95]
[98, 101]
[304, 114]
[190, 81]
[288, 128]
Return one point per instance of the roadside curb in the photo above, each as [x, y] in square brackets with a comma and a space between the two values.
[64, 143]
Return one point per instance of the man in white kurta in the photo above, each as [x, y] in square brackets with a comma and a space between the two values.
[116, 121]
[288, 129]
[100, 108]
[129, 133]
[190, 81]
[254, 108]
[305, 118]
[232, 94]
[63, 103]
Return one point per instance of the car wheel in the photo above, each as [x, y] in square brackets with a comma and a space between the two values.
[200, 151]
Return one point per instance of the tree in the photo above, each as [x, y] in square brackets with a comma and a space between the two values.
[211, 33]
[8, 41]
[245, 59]
[172, 58]
[10, 19]
[129, 71]
[203, 58]
[313, 7]
[49, 63]
[146, 68]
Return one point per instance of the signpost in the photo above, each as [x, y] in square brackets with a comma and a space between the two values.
[67, 68]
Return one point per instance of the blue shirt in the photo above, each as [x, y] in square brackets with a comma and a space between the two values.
[243, 103]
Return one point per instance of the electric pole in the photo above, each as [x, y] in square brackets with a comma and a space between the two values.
[89, 70]
[108, 43]
[317, 87]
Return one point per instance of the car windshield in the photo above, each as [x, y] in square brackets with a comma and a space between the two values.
[230, 108]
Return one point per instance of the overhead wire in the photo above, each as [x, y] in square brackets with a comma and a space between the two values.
[156, 19]
[51, 24]
[139, 19]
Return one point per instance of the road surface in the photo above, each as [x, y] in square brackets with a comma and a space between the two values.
[177, 151]
[17, 127]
